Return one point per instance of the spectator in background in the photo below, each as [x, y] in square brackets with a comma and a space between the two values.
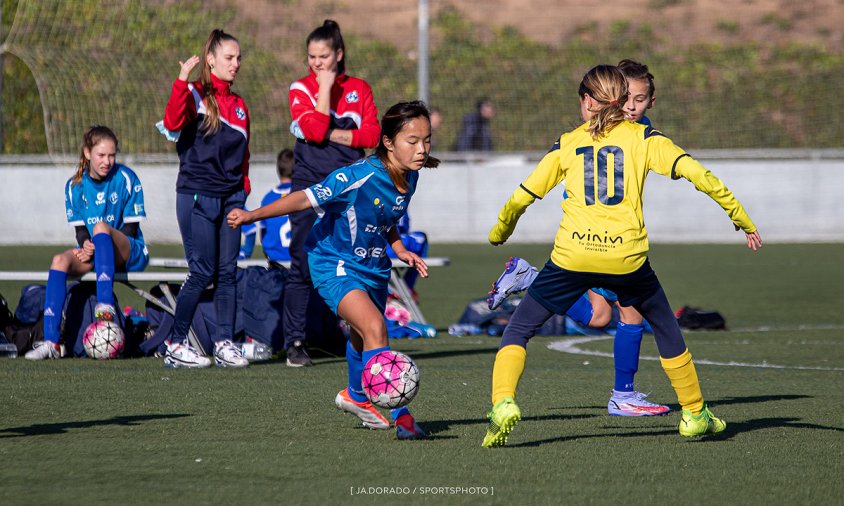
[275, 232]
[475, 133]
[334, 120]
[436, 121]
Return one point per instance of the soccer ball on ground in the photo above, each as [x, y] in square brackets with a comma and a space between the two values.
[390, 379]
[103, 340]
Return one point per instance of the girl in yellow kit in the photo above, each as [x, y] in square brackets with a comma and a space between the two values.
[602, 241]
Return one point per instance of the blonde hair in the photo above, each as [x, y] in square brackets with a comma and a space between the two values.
[92, 136]
[211, 123]
[607, 86]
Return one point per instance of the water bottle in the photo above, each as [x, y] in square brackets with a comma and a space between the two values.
[7, 349]
[254, 350]
[464, 329]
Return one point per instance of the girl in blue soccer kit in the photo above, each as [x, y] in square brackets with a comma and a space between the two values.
[105, 203]
[358, 207]
[213, 145]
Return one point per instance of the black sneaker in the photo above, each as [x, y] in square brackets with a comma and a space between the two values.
[297, 356]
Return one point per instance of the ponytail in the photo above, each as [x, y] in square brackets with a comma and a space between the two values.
[92, 136]
[607, 86]
[211, 124]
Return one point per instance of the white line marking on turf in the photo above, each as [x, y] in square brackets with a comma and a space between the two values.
[571, 346]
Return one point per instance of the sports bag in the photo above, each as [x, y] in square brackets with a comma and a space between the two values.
[79, 313]
[695, 318]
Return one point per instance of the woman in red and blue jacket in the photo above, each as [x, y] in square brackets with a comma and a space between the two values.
[213, 145]
[334, 120]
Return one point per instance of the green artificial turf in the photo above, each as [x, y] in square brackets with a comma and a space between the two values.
[79, 431]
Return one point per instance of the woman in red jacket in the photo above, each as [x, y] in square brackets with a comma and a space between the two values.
[334, 120]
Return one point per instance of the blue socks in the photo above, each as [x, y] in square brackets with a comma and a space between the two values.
[628, 340]
[104, 267]
[355, 361]
[53, 304]
[581, 311]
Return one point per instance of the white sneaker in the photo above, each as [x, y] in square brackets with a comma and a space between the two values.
[226, 354]
[517, 276]
[44, 349]
[634, 404]
[105, 312]
[184, 355]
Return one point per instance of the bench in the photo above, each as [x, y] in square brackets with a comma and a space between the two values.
[127, 278]
[162, 278]
[397, 273]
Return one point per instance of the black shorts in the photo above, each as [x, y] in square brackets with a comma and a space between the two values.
[557, 288]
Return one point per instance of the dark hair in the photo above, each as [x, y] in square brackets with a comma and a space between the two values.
[92, 136]
[330, 32]
[635, 70]
[211, 122]
[481, 102]
[284, 164]
[393, 121]
[607, 86]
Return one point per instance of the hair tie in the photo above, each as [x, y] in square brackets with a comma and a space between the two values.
[613, 102]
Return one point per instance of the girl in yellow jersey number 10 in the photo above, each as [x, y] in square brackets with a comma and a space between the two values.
[602, 241]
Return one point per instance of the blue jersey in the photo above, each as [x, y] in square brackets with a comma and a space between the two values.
[117, 199]
[275, 232]
[357, 205]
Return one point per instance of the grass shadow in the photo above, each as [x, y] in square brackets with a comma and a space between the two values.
[61, 428]
[758, 398]
[734, 428]
[437, 426]
[718, 402]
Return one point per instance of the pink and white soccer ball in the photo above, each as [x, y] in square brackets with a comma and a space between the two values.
[103, 340]
[390, 379]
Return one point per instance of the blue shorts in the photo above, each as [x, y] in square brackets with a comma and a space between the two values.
[607, 294]
[138, 256]
[334, 289]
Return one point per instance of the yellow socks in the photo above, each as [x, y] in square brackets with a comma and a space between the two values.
[681, 372]
[508, 369]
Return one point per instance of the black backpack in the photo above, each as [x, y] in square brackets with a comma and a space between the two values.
[78, 314]
[695, 318]
[27, 324]
[6, 316]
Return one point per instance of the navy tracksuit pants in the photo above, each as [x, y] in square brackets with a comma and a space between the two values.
[211, 249]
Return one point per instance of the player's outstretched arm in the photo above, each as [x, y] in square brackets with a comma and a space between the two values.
[296, 201]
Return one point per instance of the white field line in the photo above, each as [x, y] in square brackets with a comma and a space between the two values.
[571, 346]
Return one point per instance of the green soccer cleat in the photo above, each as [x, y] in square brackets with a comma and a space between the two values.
[503, 417]
[702, 424]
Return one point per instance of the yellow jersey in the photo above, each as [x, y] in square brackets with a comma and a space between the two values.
[603, 229]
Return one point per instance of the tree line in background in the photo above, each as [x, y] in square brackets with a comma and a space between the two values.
[117, 72]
